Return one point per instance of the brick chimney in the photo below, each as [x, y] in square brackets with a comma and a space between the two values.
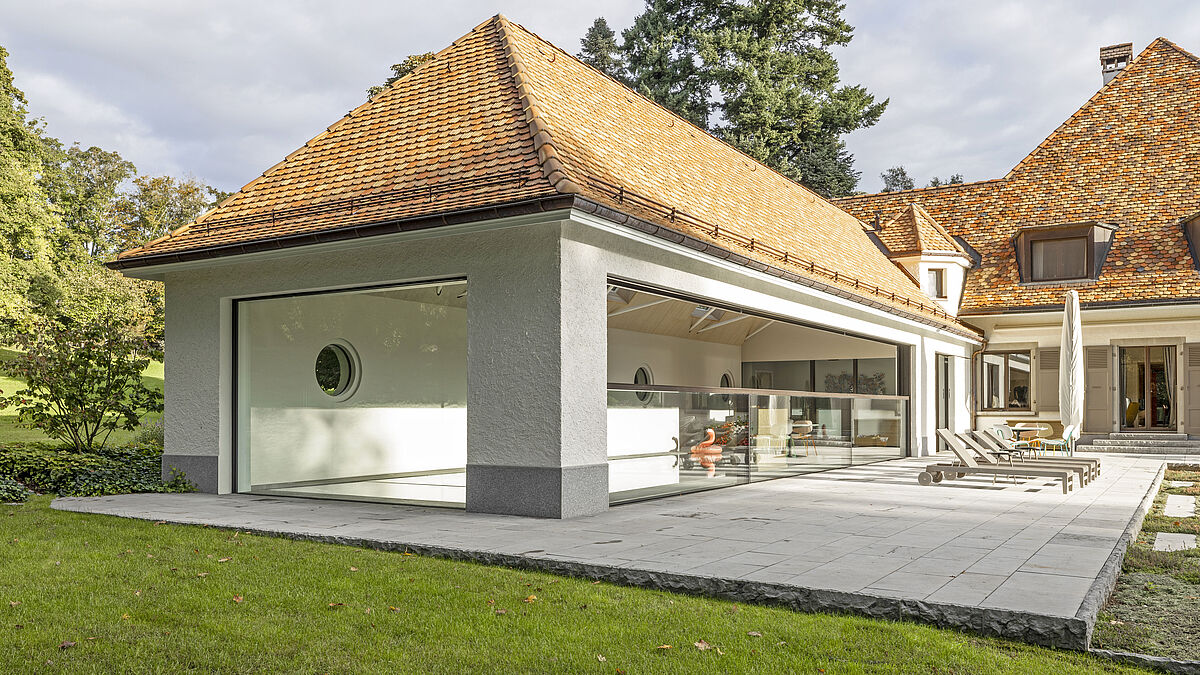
[1114, 58]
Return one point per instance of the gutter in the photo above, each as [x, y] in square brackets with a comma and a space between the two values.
[527, 207]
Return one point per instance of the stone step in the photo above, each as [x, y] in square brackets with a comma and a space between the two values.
[1139, 449]
[1182, 443]
[1180, 506]
[1150, 436]
[1169, 541]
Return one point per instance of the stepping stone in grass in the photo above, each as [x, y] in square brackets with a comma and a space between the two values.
[1180, 483]
[1171, 541]
[1180, 506]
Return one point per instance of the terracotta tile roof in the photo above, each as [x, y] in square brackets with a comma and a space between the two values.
[503, 117]
[1130, 156]
[913, 231]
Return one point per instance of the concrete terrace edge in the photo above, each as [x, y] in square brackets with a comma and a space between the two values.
[1162, 663]
[1106, 581]
[1049, 631]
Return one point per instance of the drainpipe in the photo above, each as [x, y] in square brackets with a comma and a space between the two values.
[973, 383]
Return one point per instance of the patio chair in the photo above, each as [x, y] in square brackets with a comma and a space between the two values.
[1084, 471]
[1065, 445]
[935, 473]
[994, 444]
[1009, 439]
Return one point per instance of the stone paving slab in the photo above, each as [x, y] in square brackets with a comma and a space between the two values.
[1016, 560]
[1180, 506]
[1173, 541]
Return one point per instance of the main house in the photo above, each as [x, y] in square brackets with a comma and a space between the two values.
[1107, 205]
[509, 283]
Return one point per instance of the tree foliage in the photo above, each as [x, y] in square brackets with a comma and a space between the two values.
[896, 179]
[86, 185]
[953, 179]
[153, 207]
[399, 70]
[758, 74]
[600, 50]
[82, 382]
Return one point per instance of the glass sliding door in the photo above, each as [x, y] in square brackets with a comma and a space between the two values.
[354, 394]
[1147, 386]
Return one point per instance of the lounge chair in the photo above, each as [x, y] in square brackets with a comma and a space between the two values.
[1084, 471]
[994, 444]
[935, 473]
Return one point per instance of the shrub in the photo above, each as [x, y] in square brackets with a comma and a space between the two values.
[151, 435]
[11, 491]
[83, 381]
[70, 474]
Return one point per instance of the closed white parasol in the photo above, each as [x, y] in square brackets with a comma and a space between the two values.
[1070, 368]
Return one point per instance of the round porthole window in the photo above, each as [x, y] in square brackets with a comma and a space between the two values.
[641, 377]
[335, 370]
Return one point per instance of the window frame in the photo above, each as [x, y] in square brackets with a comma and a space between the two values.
[1006, 378]
[1098, 239]
[937, 278]
[1084, 240]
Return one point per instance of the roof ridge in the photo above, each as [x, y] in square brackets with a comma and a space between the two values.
[1119, 77]
[866, 195]
[938, 226]
[813, 194]
[543, 140]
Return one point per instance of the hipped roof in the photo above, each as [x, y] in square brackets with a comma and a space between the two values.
[503, 122]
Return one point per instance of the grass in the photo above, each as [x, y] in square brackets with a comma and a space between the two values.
[86, 593]
[1155, 608]
[12, 432]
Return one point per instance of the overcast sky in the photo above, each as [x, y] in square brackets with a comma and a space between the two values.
[224, 89]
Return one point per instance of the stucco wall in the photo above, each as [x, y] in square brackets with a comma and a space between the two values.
[536, 342]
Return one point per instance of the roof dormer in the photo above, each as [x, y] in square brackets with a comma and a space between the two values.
[920, 246]
[1055, 254]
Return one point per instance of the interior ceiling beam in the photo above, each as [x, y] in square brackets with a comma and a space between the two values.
[758, 330]
[726, 322]
[644, 305]
[702, 319]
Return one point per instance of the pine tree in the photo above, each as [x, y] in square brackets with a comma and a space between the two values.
[599, 49]
[758, 74]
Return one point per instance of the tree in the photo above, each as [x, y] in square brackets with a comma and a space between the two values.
[758, 74]
[399, 70]
[954, 179]
[26, 217]
[154, 207]
[599, 49]
[82, 382]
[85, 186]
[896, 179]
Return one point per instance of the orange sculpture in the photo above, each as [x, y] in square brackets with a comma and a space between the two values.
[708, 454]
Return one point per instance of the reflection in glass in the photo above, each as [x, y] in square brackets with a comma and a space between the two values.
[684, 441]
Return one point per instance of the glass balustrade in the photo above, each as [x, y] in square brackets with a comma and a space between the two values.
[665, 441]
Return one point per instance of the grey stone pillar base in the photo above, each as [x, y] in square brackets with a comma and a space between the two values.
[199, 469]
[538, 491]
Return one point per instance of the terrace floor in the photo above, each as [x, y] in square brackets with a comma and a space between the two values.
[865, 534]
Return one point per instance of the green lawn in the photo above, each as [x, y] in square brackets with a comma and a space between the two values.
[83, 593]
[1155, 608]
[10, 432]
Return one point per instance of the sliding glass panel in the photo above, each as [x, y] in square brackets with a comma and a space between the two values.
[663, 442]
[355, 395]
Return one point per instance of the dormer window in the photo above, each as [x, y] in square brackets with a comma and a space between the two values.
[1059, 259]
[936, 278]
[1069, 252]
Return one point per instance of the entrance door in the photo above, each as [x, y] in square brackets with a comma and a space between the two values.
[942, 413]
[1147, 388]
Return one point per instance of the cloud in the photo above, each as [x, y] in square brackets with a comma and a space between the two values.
[224, 89]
